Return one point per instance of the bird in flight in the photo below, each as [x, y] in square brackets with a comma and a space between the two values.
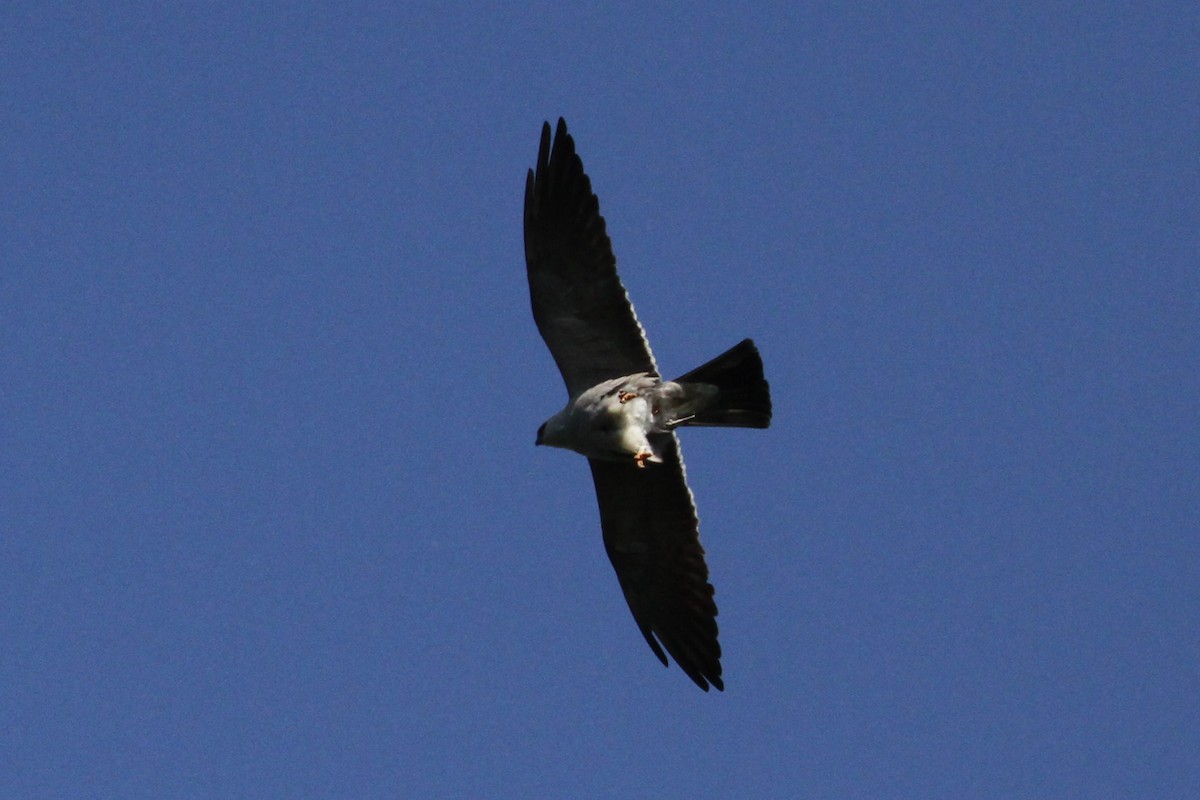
[622, 415]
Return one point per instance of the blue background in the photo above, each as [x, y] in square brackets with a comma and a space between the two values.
[271, 519]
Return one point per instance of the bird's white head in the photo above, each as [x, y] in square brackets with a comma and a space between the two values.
[553, 432]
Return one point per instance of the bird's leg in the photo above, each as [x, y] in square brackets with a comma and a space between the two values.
[640, 459]
[625, 397]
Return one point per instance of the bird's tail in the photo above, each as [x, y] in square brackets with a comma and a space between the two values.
[742, 398]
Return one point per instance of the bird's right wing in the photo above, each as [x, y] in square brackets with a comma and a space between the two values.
[579, 304]
[651, 533]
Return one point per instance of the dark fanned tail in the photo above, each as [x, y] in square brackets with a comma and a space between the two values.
[743, 397]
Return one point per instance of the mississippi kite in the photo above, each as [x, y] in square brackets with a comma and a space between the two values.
[623, 416]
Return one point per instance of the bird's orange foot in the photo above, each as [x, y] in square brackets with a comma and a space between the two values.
[625, 397]
[640, 459]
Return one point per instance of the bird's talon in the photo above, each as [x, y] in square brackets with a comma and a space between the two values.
[625, 397]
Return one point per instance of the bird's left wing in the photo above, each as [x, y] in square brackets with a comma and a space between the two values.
[651, 533]
[579, 304]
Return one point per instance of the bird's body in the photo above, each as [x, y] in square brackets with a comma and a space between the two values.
[612, 420]
[622, 415]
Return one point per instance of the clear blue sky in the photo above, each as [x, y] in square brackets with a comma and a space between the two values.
[272, 523]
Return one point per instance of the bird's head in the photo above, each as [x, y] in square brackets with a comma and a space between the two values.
[555, 432]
